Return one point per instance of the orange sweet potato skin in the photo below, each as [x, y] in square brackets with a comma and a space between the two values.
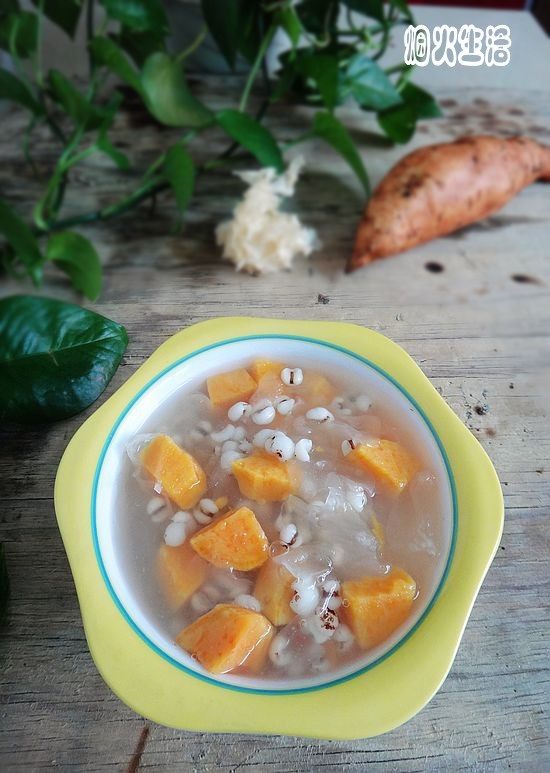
[440, 188]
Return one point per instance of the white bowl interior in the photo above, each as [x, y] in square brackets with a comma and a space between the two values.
[190, 375]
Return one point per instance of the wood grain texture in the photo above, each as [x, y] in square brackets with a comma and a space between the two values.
[479, 334]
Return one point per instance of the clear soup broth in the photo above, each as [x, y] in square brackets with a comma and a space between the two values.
[281, 520]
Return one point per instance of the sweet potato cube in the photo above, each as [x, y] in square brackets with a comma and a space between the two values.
[181, 476]
[226, 389]
[374, 607]
[263, 478]
[260, 368]
[233, 540]
[392, 464]
[225, 637]
[274, 591]
[255, 662]
[270, 386]
[181, 572]
[316, 389]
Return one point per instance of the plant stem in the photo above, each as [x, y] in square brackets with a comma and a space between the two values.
[255, 68]
[194, 45]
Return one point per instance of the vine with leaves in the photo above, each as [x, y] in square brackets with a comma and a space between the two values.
[331, 59]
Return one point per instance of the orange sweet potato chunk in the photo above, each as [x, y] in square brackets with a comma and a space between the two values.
[260, 368]
[316, 389]
[274, 591]
[180, 474]
[181, 572]
[374, 607]
[234, 540]
[255, 662]
[225, 637]
[263, 478]
[392, 464]
[226, 389]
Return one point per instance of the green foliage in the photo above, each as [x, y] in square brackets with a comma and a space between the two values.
[77, 257]
[55, 358]
[138, 15]
[167, 94]
[252, 136]
[330, 129]
[332, 59]
[399, 122]
[180, 173]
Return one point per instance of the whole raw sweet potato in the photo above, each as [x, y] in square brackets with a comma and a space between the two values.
[437, 189]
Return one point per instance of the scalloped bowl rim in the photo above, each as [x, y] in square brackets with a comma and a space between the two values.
[370, 701]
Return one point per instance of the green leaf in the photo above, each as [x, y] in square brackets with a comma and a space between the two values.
[252, 136]
[329, 128]
[167, 94]
[73, 102]
[422, 101]
[369, 84]
[76, 256]
[138, 15]
[4, 584]
[106, 52]
[119, 158]
[15, 90]
[404, 9]
[399, 123]
[19, 33]
[223, 24]
[372, 8]
[55, 358]
[323, 70]
[20, 237]
[314, 14]
[140, 45]
[64, 13]
[179, 170]
[290, 22]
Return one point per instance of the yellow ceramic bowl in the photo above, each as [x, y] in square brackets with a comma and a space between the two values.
[382, 694]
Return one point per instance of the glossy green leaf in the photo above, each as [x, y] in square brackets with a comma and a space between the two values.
[330, 129]
[369, 84]
[322, 69]
[372, 8]
[77, 257]
[20, 237]
[16, 91]
[399, 123]
[106, 52]
[138, 15]
[179, 170]
[55, 358]
[4, 584]
[223, 21]
[252, 136]
[19, 33]
[64, 13]
[73, 101]
[168, 96]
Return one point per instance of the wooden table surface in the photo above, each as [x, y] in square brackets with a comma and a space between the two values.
[479, 328]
